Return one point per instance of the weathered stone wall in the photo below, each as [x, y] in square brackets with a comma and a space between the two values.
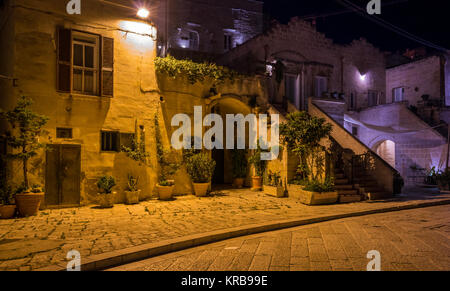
[418, 78]
[415, 142]
[211, 19]
[35, 24]
[308, 53]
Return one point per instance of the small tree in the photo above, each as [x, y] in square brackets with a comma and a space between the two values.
[302, 134]
[259, 164]
[27, 127]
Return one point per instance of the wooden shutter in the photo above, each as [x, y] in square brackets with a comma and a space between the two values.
[107, 71]
[64, 62]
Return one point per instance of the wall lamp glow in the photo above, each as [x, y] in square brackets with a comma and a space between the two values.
[143, 13]
[362, 77]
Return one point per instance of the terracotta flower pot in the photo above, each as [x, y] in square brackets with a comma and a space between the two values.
[7, 211]
[28, 203]
[239, 182]
[201, 189]
[107, 200]
[257, 183]
[165, 192]
[132, 197]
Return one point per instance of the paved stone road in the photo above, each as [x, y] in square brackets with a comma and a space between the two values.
[40, 241]
[409, 240]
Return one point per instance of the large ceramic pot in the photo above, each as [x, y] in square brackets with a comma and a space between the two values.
[257, 183]
[28, 203]
[7, 211]
[238, 182]
[165, 192]
[132, 197]
[201, 189]
[107, 200]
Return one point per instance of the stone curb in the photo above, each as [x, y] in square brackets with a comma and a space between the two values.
[137, 253]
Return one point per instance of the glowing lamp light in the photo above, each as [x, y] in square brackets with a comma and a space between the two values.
[362, 77]
[143, 13]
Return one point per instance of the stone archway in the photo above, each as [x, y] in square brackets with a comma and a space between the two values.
[386, 150]
[224, 106]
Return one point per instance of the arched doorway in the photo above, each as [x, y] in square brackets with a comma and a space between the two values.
[224, 171]
[386, 150]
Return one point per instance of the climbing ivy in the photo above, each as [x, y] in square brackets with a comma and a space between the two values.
[195, 72]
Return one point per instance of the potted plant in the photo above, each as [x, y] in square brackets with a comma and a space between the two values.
[105, 185]
[302, 134]
[132, 192]
[27, 127]
[260, 167]
[7, 207]
[168, 167]
[200, 168]
[316, 192]
[273, 185]
[240, 167]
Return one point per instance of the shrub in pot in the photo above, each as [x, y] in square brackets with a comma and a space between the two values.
[7, 207]
[168, 167]
[132, 192]
[240, 167]
[260, 167]
[27, 127]
[106, 195]
[273, 184]
[317, 192]
[200, 168]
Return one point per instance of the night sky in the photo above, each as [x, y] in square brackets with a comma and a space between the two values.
[427, 19]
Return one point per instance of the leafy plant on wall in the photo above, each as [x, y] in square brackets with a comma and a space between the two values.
[137, 150]
[195, 72]
[27, 127]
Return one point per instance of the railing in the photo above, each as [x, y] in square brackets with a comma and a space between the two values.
[370, 162]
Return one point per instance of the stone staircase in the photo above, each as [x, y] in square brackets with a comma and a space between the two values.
[347, 192]
[368, 187]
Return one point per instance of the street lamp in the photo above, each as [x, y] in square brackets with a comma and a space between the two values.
[143, 13]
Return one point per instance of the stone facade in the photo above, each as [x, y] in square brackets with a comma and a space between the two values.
[312, 65]
[198, 28]
[401, 138]
[89, 124]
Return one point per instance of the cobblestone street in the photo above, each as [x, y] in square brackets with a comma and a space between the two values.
[409, 240]
[36, 242]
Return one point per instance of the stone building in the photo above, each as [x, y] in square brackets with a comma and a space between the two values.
[203, 29]
[301, 62]
[94, 76]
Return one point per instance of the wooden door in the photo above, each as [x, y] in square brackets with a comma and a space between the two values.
[63, 170]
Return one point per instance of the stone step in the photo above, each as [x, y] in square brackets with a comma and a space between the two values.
[349, 198]
[379, 195]
[348, 192]
[367, 183]
[372, 189]
[341, 182]
[343, 187]
[339, 176]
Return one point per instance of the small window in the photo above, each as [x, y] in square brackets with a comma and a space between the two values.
[64, 133]
[110, 141]
[227, 42]
[398, 94]
[354, 130]
[372, 98]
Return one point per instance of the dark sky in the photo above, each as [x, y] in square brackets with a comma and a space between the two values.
[428, 19]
